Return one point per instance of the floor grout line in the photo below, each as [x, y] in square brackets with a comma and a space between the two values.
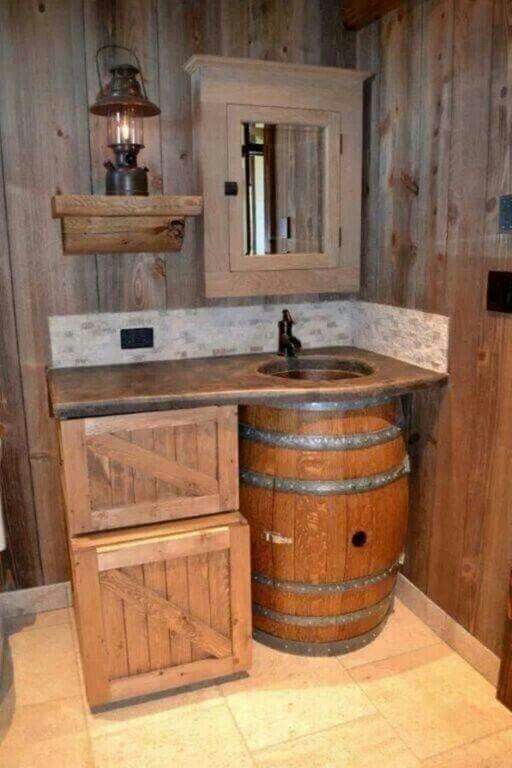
[465, 745]
[239, 730]
[223, 700]
[304, 736]
[409, 747]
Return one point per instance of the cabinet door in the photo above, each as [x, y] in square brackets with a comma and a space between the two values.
[286, 164]
[142, 468]
[162, 607]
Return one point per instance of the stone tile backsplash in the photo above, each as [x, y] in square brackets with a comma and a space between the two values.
[407, 334]
[94, 339]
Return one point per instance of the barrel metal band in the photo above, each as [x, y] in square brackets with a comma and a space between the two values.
[325, 487]
[334, 648]
[301, 588]
[337, 405]
[320, 442]
[321, 621]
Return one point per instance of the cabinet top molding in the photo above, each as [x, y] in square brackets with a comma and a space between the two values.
[206, 61]
[137, 205]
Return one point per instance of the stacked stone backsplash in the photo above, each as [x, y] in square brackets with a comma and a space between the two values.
[94, 339]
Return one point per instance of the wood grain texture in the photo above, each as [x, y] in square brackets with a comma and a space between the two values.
[109, 206]
[45, 149]
[125, 470]
[309, 539]
[357, 14]
[52, 145]
[158, 235]
[21, 563]
[145, 602]
[505, 679]
[163, 605]
[132, 281]
[452, 142]
[89, 615]
[93, 391]
[308, 94]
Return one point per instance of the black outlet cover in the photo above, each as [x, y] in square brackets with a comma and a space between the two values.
[499, 291]
[136, 338]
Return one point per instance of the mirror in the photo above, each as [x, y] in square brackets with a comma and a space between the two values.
[284, 195]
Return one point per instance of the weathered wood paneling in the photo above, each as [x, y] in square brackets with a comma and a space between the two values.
[21, 564]
[358, 13]
[135, 281]
[43, 121]
[51, 144]
[431, 249]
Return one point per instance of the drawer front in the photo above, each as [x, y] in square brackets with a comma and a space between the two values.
[162, 610]
[142, 468]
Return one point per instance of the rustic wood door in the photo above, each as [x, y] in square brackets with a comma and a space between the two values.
[162, 606]
[147, 467]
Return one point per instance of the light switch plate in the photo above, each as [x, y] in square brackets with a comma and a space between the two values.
[505, 215]
[499, 291]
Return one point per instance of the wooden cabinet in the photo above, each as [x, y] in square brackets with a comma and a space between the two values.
[162, 606]
[147, 467]
[160, 556]
[278, 155]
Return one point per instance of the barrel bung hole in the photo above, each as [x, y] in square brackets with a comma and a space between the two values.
[359, 539]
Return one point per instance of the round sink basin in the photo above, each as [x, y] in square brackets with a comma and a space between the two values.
[316, 368]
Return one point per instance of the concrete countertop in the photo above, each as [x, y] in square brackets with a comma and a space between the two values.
[106, 390]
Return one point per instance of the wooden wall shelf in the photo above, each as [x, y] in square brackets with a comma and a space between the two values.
[109, 224]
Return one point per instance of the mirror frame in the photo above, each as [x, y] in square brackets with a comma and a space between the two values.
[237, 114]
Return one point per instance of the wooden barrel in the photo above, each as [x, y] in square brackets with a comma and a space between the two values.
[324, 488]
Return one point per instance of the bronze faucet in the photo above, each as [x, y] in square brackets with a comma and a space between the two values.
[288, 344]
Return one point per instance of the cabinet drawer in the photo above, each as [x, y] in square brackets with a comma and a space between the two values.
[142, 468]
[162, 606]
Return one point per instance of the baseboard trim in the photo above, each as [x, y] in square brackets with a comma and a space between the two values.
[21, 602]
[452, 633]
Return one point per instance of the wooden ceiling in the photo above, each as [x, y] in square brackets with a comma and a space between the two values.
[358, 13]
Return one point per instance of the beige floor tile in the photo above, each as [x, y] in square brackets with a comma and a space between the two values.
[37, 722]
[152, 711]
[44, 665]
[37, 620]
[202, 737]
[403, 632]
[72, 751]
[269, 663]
[368, 742]
[290, 696]
[490, 752]
[433, 698]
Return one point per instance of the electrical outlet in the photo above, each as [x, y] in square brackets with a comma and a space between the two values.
[136, 338]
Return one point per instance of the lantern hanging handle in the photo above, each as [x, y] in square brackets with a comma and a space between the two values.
[124, 48]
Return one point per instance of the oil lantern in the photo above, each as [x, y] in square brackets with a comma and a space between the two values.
[125, 104]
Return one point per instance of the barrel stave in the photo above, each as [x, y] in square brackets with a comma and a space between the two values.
[322, 605]
[302, 537]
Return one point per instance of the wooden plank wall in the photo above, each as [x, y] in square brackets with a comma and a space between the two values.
[439, 158]
[51, 144]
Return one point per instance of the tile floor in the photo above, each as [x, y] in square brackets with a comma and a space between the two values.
[406, 701]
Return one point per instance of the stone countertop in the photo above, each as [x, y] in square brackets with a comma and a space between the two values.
[114, 389]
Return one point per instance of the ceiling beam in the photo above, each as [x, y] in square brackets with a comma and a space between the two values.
[359, 13]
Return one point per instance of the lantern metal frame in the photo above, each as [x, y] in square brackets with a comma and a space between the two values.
[123, 93]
